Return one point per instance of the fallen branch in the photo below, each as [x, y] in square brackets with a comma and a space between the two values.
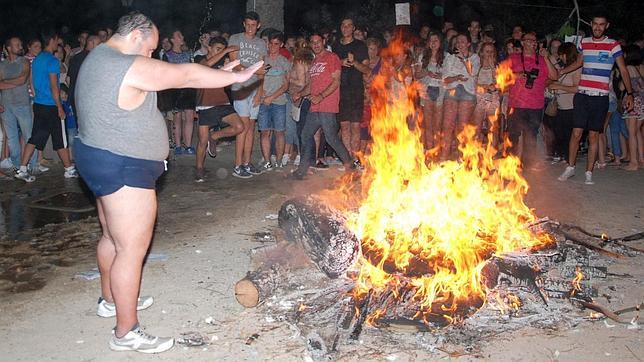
[601, 309]
[636, 308]
[633, 237]
[591, 246]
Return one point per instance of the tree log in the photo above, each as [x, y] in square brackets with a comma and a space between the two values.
[322, 232]
[259, 285]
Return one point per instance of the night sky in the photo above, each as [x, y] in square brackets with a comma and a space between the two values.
[25, 17]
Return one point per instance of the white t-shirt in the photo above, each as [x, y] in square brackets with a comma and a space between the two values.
[468, 67]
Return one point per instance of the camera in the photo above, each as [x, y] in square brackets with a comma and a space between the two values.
[530, 77]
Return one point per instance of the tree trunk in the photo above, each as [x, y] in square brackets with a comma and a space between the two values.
[259, 285]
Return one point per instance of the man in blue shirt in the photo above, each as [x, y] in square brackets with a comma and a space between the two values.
[49, 115]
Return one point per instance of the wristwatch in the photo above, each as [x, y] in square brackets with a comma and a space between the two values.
[629, 93]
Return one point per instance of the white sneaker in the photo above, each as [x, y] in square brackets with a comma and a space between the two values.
[24, 176]
[266, 166]
[589, 178]
[107, 309]
[286, 159]
[70, 172]
[568, 173]
[296, 162]
[138, 340]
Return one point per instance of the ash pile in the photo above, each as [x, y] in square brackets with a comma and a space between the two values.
[305, 277]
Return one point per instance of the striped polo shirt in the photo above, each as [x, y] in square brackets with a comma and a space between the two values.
[599, 57]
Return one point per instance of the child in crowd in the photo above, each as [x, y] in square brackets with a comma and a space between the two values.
[70, 118]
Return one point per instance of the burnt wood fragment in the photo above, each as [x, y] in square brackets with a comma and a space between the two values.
[323, 233]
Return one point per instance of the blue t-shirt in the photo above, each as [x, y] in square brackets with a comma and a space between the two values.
[70, 117]
[44, 64]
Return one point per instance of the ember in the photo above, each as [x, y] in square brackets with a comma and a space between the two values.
[429, 227]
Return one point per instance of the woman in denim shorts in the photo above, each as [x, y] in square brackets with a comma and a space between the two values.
[459, 75]
[487, 96]
[429, 72]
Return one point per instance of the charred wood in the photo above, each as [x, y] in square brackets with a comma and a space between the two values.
[323, 233]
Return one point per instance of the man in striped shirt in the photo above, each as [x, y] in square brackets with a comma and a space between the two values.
[600, 53]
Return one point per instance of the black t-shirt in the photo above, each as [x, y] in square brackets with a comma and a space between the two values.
[74, 67]
[351, 78]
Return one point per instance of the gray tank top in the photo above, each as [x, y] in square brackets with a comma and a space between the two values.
[139, 133]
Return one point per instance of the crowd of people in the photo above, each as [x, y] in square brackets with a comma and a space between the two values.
[313, 91]
[310, 97]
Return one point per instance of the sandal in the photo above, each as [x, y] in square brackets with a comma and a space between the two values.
[600, 165]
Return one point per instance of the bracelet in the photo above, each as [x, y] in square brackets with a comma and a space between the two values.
[629, 93]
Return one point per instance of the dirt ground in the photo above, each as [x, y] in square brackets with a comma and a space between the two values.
[205, 232]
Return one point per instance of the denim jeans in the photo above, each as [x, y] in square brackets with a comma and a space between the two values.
[304, 111]
[291, 126]
[18, 120]
[72, 133]
[272, 117]
[617, 127]
[330, 127]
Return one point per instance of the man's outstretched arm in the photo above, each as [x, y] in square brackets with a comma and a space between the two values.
[151, 75]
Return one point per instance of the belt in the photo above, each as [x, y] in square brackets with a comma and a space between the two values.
[593, 93]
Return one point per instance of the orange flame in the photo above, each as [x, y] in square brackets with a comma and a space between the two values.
[576, 283]
[505, 76]
[434, 223]
[505, 303]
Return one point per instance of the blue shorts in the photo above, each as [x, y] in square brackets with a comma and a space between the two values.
[459, 94]
[105, 172]
[244, 107]
[272, 117]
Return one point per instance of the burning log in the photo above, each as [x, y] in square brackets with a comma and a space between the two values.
[323, 233]
[515, 270]
[569, 271]
[564, 289]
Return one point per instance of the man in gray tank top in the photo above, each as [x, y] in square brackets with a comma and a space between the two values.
[121, 152]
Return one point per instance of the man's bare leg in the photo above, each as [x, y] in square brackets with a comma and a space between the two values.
[573, 146]
[280, 140]
[64, 156]
[593, 147]
[129, 215]
[632, 126]
[203, 133]
[105, 253]
[355, 139]
[188, 125]
[345, 135]
[265, 143]
[249, 135]
[177, 127]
